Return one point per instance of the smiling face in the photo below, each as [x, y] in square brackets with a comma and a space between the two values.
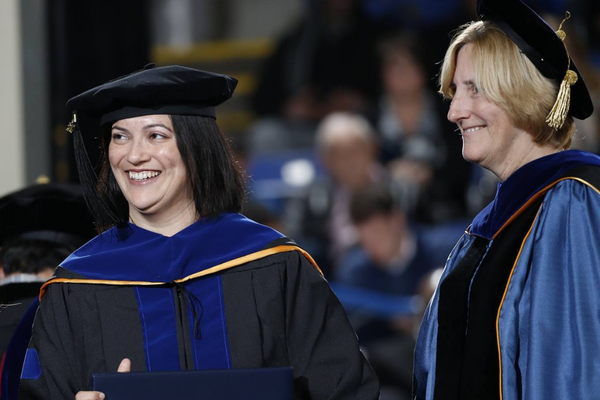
[489, 136]
[149, 170]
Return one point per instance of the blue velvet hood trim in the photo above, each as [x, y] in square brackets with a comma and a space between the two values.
[524, 183]
[134, 254]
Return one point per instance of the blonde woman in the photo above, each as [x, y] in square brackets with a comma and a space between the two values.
[517, 311]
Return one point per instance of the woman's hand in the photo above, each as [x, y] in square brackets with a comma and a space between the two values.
[89, 396]
[125, 366]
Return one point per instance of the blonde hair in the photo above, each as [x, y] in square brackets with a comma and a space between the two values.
[505, 76]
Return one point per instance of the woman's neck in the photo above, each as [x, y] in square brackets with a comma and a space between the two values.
[522, 157]
[166, 224]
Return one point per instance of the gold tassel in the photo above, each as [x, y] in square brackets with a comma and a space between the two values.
[559, 111]
[71, 127]
[557, 116]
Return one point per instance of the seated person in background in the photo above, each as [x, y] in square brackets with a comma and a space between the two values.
[326, 63]
[412, 138]
[418, 144]
[393, 255]
[347, 146]
[40, 226]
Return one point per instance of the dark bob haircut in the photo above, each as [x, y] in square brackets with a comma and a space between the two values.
[216, 179]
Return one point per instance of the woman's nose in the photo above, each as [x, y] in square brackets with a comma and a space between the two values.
[138, 154]
[459, 109]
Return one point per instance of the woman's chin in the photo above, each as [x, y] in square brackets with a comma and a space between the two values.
[471, 157]
[144, 208]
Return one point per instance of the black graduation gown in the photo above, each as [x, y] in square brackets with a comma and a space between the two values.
[14, 300]
[277, 310]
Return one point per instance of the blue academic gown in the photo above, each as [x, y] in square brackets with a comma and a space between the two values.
[517, 312]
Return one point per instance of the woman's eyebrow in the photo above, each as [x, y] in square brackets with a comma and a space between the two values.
[466, 82]
[119, 128]
[159, 126]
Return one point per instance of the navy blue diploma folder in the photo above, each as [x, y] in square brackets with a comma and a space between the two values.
[230, 384]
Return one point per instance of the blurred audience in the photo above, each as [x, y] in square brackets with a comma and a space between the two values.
[320, 220]
[41, 226]
[327, 63]
[412, 141]
[392, 255]
[418, 143]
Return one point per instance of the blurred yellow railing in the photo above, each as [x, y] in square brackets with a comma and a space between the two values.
[214, 51]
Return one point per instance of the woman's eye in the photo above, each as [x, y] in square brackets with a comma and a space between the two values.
[157, 135]
[117, 136]
[474, 89]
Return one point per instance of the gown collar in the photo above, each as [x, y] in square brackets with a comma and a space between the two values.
[525, 182]
[132, 253]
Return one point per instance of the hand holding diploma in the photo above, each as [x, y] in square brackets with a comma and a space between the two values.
[124, 366]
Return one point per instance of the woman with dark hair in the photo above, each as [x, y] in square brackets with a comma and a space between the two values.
[177, 279]
[216, 183]
[517, 312]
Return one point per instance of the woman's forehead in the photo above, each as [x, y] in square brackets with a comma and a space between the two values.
[145, 121]
[463, 71]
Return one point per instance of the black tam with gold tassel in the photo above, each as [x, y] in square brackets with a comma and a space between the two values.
[546, 49]
[557, 116]
[170, 90]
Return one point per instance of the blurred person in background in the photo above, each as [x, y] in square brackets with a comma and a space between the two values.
[328, 62]
[347, 146]
[40, 226]
[516, 313]
[393, 256]
[419, 145]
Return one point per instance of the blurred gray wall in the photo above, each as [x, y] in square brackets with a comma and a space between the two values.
[187, 22]
[12, 155]
[24, 132]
